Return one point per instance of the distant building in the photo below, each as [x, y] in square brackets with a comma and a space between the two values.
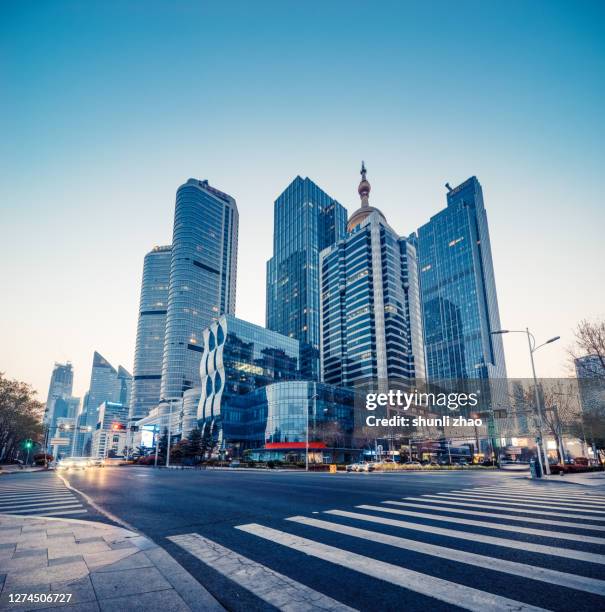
[590, 372]
[458, 290]
[106, 385]
[61, 386]
[371, 327]
[149, 349]
[109, 435]
[203, 269]
[590, 366]
[306, 220]
[238, 358]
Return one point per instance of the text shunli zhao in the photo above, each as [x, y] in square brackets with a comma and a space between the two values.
[405, 400]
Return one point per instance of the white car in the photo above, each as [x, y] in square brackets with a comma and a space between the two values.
[73, 463]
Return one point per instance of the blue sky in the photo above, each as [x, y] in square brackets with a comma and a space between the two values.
[107, 107]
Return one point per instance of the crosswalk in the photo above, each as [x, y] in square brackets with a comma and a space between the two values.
[38, 495]
[511, 547]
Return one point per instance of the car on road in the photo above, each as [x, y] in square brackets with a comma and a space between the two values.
[73, 463]
[361, 466]
[95, 462]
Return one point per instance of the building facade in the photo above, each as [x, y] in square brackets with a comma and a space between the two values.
[306, 221]
[458, 290]
[61, 386]
[109, 436]
[238, 358]
[203, 269]
[371, 328]
[149, 349]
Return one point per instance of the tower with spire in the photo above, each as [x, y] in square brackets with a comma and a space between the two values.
[371, 328]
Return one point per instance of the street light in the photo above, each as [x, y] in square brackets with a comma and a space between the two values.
[314, 399]
[531, 343]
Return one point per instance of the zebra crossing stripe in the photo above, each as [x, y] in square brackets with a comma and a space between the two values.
[523, 519]
[443, 590]
[567, 553]
[542, 495]
[39, 504]
[533, 499]
[574, 537]
[496, 500]
[528, 501]
[542, 574]
[42, 511]
[270, 586]
[12, 498]
[489, 505]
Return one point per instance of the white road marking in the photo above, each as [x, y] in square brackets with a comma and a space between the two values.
[437, 588]
[538, 491]
[496, 500]
[557, 551]
[523, 519]
[41, 511]
[542, 574]
[574, 537]
[589, 505]
[270, 586]
[457, 501]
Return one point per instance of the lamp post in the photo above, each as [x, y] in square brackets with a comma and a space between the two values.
[531, 343]
[314, 399]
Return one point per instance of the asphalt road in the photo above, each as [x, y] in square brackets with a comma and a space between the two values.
[368, 569]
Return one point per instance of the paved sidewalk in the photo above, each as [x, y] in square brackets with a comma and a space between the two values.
[589, 479]
[103, 568]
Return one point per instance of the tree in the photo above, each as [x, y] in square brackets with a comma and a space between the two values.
[20, 417]
[194, 445]
[590, 340]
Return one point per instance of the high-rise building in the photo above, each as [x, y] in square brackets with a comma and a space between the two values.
[371, 328]
[458, 289]
[306, 221]
[149, 349]
[203, 270]
[106, 385]
[61, 385]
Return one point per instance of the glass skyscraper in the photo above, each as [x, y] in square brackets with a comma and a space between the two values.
[149, 350]
[61, 385]
[371, 327]
[106, 385]
[203, 269]
[460, 306]
[306, 220]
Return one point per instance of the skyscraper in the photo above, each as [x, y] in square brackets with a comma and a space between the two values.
[306, 221]
[61, 385]
[149, 349]
[458, 289]
[371, 328]
[106, 385]
[203, 270]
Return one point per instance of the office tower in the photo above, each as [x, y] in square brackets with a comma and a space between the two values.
[149, 349]
[109, 436]
[106, 385]
[306, 221]
[203, 271]
[458, 290]
[61, 385]
[371, 328]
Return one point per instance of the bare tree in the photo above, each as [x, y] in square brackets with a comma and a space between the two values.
[590, 340]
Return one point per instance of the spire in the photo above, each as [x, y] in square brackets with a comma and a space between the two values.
[364, 187]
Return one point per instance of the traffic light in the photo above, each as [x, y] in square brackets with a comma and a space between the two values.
[28, 444]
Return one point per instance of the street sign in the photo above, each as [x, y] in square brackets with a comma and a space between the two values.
[59, 441]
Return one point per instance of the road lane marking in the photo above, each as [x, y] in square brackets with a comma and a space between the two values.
[38, 504]
[19, 498]
[270, 586]
[557, 551]
[542, 574]
[542, 493]
[436, 588]
[42, 511]
[590, 505]
[489, 505]
[543, 533]
[523, 519]
[495, 500]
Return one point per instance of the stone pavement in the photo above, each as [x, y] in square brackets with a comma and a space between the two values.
[104, 568]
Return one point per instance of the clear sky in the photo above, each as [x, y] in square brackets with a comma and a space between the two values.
[107, 107]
